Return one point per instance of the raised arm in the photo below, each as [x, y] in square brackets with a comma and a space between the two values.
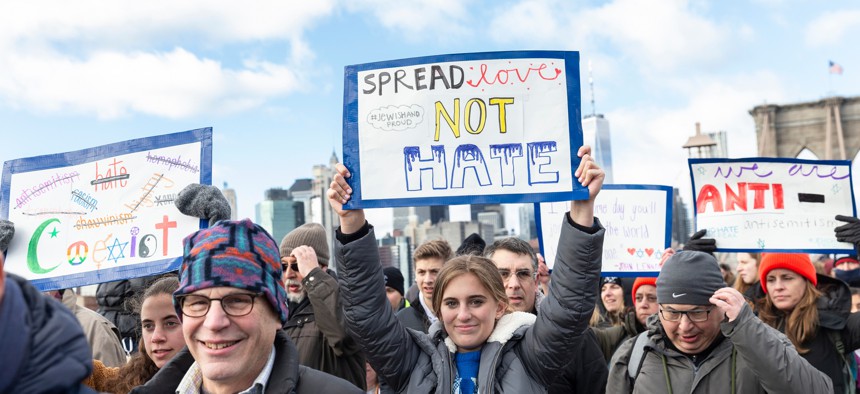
[563, 316]
[390, 349]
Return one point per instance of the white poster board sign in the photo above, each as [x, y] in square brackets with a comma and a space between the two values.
[104, 213]
[637, 219]
[500, 127]
[772, 204]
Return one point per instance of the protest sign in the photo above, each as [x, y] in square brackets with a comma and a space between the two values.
[637, 219]
[104, 213]
[772, 204]
[501, 127]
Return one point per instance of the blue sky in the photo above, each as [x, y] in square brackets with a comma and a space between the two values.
[268, 75]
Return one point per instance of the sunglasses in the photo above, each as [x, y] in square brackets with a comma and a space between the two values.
[291, 264]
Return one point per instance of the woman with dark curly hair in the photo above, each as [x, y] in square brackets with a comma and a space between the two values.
[161, 339]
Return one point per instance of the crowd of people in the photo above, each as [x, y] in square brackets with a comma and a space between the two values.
[246, 314]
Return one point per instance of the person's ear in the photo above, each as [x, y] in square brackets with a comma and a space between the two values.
[500, 310]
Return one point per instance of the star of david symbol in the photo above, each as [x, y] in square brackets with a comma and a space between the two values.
[116, 244]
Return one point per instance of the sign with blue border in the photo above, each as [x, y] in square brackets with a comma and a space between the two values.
[105, 213]
[767, 204]
[638, 227]
[494, 127]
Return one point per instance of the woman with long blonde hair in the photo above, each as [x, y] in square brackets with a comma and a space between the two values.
[813, 311]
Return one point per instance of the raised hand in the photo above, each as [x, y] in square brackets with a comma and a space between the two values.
[306, 258]
[848, 232]
[729, 301]
[591, 176]
[338, 194]
[700, 244]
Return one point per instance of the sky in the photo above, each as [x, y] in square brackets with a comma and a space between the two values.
[268, 75]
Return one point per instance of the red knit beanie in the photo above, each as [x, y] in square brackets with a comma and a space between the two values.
[642, 281]
[799, 263]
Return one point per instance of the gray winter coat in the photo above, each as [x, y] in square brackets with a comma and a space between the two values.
[524, 354]
[764, 361]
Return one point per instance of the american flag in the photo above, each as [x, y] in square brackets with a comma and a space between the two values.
[835, 68]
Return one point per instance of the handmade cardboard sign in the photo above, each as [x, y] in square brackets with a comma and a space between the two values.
[104, 213]
[500, 127]
[637, 219]
[772, 204]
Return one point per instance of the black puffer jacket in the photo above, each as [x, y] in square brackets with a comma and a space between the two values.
[834, 319]
[112, 298]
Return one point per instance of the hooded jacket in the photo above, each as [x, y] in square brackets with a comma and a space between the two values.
[753, 357]
[610, 338]
[834, 317]
[42, 346]
[524, 354]
[101, 334]
[316, 328]
[287, 375]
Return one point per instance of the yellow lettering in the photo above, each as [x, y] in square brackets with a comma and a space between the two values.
[502, 102]
[468, 115]
[454, 124]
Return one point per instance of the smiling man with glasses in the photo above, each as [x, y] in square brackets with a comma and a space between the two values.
[706, 339]
[232, 303]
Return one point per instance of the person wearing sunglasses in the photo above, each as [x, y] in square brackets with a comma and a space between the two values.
[705, 338]
[316, 321]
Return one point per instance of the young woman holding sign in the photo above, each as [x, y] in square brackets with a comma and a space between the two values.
[477, 345]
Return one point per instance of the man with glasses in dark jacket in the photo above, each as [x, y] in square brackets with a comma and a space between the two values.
[518, 266]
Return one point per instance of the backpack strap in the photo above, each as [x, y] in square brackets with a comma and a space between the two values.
[637, 357]
[848, 373]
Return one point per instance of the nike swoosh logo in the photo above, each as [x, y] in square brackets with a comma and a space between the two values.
[678, 295]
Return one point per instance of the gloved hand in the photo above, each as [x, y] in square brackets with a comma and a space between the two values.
[849, 232]
[699, 244]
[7, 230]
[204, 202]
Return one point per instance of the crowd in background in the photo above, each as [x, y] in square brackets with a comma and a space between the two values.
[248, 314]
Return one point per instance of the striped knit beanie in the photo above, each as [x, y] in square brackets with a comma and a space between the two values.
[236, 254]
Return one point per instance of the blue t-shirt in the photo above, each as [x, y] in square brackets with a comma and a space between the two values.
[466, 381]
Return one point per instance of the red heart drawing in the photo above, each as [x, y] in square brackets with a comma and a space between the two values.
[631, 251]
[649, 251]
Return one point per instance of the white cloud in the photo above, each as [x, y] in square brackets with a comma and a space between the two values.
[830, 27]
[647, 140]
[108, 58]
[439, 19]
[663, 35]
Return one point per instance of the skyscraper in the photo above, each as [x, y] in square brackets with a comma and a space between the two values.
[279, 214]
[680, 219]
[230, 195]
[321, 211]
[595, 132]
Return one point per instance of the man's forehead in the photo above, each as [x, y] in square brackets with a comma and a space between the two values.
[220, 291]
[431, 263]
[505, 259]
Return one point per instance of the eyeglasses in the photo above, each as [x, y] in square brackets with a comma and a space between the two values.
[235, 305]
[291, 263]
[696, 315]
[523, 274]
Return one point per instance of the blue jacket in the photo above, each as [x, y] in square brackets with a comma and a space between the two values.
[42, 346]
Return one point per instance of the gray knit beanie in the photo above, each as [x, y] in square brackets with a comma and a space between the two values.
[7, 230]
[689, 278]
[310, 234]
